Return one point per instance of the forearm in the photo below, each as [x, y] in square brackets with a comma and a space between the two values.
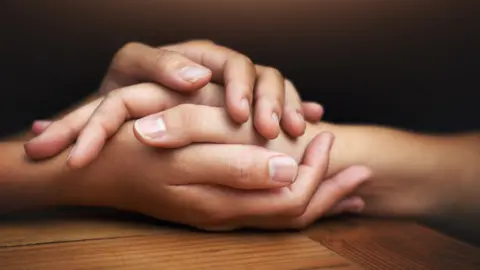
[24, 184]
[419, 175]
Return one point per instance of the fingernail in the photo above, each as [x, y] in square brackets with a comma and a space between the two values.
[193, 73]
[275, 118]
[283, 169]
[151, 127]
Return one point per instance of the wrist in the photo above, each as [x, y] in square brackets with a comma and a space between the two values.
[405, 166]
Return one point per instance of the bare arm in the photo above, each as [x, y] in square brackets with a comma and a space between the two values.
[414, 174]
[25, 185]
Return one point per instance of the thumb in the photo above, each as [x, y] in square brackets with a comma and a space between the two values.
[237, 166]
[187, 123]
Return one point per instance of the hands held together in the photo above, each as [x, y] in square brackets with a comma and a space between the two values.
[197, 153]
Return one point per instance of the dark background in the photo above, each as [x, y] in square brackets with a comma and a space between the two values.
[407, 64]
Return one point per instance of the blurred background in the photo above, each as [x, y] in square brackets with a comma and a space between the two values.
[402, 63]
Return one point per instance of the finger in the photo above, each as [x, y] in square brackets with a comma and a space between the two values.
[60, 134]
[171, 69]
[116, 108]
[353, 205]
[236, 71]
[292, 121]
[313, 169]
[323, 203]
[40, 126]
[269, 102]
[286, 201]
[332, 191]
[235, 166]
[185, 124]
[312, 111]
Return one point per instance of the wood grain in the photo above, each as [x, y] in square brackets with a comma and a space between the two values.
[64, 225]
[105, 239]
[178, 249]
[388, 244]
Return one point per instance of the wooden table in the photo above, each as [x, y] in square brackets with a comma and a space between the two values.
[103, 239]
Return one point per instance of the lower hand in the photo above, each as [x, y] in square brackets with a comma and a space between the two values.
[213, 186]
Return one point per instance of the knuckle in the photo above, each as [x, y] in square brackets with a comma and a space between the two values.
[242, 171]
[128, 47]
[289, 85]
[271, 71]
[187, 113]
[165, 58]
[247, 59]
[124, 51]
[111, 99]
[188, 118]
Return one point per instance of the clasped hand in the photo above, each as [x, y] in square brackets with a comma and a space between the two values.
[194, 155]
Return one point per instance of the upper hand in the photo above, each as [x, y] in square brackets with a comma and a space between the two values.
[91, 125]
[188, 66]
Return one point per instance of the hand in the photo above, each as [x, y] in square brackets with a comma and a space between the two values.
[213, 186]
[189, 66]
[97, 121]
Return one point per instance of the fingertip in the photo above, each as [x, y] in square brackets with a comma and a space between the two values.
[39, 126]
[267, 127]
[239, 110]
[42, 147]
[293, 123]
[353, 205]
[312, 111]
[150, 130]
[72, 162]
[267, 119]
[325, 141]
[239, 101]
[282, 170]
[361, 172]
[317, 152]
[29, 151]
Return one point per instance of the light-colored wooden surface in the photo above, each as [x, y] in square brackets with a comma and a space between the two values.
[103, 239]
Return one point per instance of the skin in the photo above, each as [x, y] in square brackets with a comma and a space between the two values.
[49, 183]
[245, 84]
[413, 174]
[405, 182]
[130, 176]
[398, 188]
